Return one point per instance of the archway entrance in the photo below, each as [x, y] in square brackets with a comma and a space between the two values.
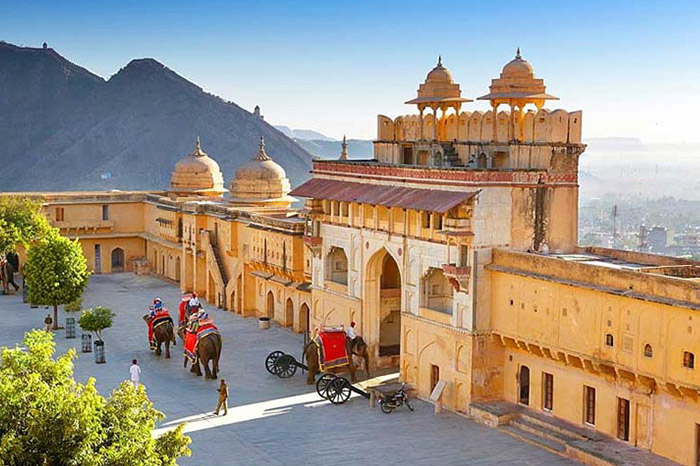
[382, 311]
[524, 383]
[289, 313]
[270, 308]
[304, 318]
[117, 260]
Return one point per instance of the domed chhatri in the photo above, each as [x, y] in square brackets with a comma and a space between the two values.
[197, 175]
[261, 181]
[439, 88]
[518, 68]
[518, 82]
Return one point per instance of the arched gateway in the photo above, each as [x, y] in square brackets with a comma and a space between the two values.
[382, 311]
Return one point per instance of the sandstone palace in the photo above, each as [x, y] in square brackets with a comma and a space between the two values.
[454, 250]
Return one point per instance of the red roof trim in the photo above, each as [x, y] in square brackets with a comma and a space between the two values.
[383, 195]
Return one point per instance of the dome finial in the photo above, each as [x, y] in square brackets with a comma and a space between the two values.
[517, 54]
[344, 151]
[198, 152]
[439, 60]
[262, 155]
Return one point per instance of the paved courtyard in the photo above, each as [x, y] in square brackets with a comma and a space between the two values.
[272, 421]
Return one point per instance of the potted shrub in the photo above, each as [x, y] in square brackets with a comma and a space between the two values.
[71, 308]
[96, 320]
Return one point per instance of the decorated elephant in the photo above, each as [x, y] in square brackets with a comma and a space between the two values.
[355, 347]
[163, 332]
[207, 349]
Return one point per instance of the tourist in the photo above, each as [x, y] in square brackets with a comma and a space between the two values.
[350, 332]
[135, 371]
[223, 398]
[47, 322]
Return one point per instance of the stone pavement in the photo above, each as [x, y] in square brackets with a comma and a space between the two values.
[271, 421]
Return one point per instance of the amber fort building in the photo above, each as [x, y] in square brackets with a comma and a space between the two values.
[455, 251]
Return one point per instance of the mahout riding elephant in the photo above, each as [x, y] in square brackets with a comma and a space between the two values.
[208, 349]
[356, 347]
[163, 333]
[7, 274]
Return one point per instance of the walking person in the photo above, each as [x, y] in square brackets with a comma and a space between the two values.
[223, 398]
[47, 322]
[135, 371]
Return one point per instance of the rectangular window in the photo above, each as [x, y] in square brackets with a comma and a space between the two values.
[547, 391]
[59, 214]
[105, 212]
[426, 219]
[623, 419]
[589, 405]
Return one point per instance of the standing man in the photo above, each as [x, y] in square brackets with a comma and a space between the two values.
[135, 371]
[350, 332]
[223, 398]
[47, 322]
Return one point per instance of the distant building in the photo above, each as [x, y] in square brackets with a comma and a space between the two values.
[658, 239]
[256, 112]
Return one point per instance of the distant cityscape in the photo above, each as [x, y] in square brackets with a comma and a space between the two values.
[665, 226]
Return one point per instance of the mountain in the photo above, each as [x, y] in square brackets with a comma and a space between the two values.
[306, 134]
[65, 128]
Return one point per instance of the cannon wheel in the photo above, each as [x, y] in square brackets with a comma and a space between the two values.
[271, 360]
[339, 390]
[285, 366]
[322, 384]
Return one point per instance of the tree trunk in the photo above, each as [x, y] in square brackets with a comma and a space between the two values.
[55, 316]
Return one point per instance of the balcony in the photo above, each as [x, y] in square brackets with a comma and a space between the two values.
[458, 276]
[84, 225]
[315, 243]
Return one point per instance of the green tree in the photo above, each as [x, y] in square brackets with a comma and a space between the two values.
[56, 272]
[21, 222]
[96, 320]
[47, 418]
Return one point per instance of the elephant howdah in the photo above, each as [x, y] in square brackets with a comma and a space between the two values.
[332, 354]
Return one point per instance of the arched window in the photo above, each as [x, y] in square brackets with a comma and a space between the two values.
[609, 340]
[648, 351]
[436, 291]
[337, 266]
[688, 360]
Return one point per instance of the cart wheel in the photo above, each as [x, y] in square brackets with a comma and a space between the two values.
[339, 391]
[322, 384]
[285, 366]
[270, 361]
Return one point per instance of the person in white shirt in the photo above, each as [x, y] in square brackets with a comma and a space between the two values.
[135, 373]
[350, 332]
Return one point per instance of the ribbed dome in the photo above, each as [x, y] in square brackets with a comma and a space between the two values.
[518, 68]
[261, 179]
[197, 174]
[439, 74]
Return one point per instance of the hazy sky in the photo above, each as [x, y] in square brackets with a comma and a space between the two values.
[632, 67]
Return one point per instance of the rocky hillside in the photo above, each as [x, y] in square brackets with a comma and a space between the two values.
[64, 128]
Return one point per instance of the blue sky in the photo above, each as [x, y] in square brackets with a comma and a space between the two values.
[632, 67]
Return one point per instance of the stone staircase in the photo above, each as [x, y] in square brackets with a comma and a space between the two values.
[219, 263]
[450, 158]
[561, 437]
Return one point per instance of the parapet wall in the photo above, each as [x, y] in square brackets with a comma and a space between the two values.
[557, 126]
